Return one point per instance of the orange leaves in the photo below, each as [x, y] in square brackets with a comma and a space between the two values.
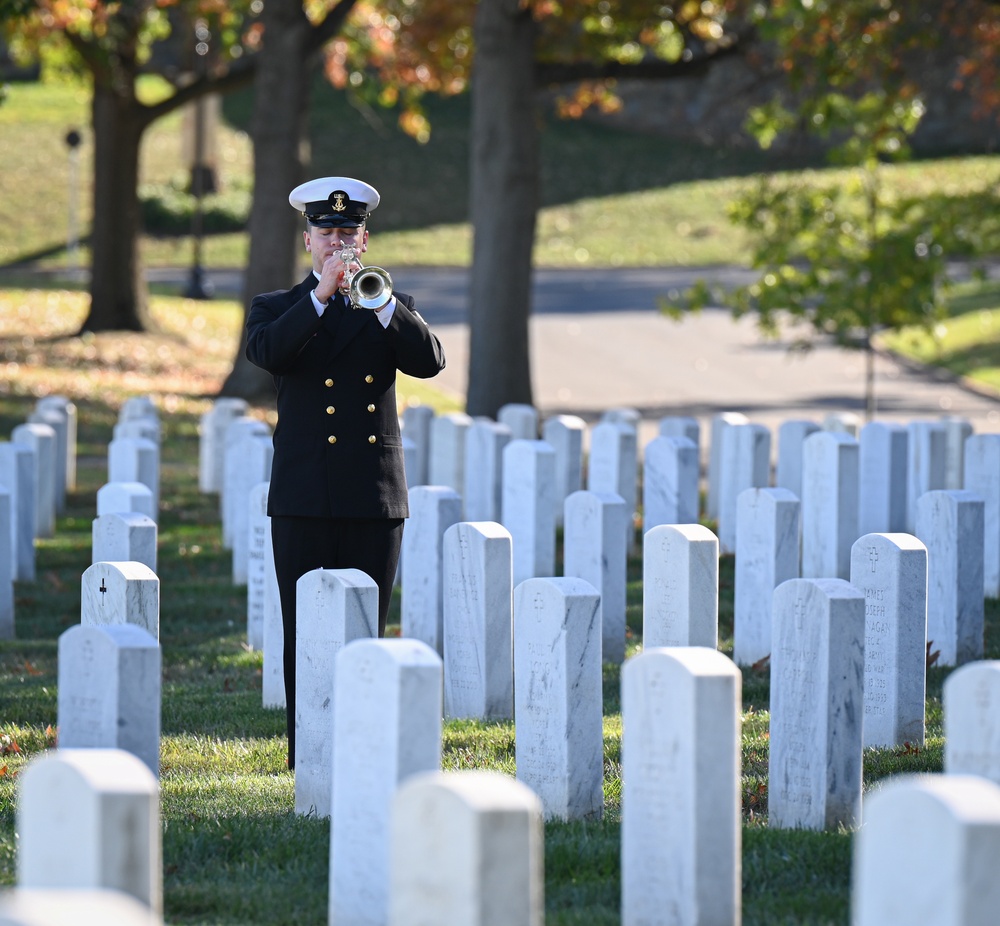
[8, 746]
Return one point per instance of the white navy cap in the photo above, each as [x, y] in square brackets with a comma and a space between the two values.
[330, 202]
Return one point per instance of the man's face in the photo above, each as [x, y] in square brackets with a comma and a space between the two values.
[322, 242]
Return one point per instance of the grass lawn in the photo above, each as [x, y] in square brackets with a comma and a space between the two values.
[234, 851]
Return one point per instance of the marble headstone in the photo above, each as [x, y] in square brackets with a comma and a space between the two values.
[817, 697]
[558, 717]
[681, 824]
[121, 593]
[891, 571]
[680, 586]
[478, 622]
[388, 727]
[467, 847]
[333, 607]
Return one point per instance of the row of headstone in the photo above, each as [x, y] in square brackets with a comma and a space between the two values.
[89, 844]
[37, 467]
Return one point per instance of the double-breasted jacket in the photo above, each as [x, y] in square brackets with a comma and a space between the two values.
[338, 452]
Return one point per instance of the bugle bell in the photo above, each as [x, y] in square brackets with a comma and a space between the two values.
[366, 287]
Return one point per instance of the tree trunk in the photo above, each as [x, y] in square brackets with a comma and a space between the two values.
[504, 171]
[118, 295]
[281, 98]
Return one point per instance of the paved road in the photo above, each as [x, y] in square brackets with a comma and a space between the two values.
[598, 342]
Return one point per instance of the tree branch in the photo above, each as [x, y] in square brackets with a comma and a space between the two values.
[329, 27]
[557, 72]
[238, 74]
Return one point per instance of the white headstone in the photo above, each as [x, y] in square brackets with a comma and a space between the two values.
[17, 475]
[558, 721]
[680, 426]
[971, 732]
[446, 461]
[829, 504]
[46, 410]
[41, 438]
[891, 571]
[135, 459]
[467, 847]
[484, 444]
[332, 608]
[138, 406]
[594, 550]
[950, 523]
[670, 482]
[843, 423]
[258, 537]
[143, 428]
[817, 697]
[6, 569]
[114, 593]
[90, 818]
[719, 424]
[623, 414]
[388, 727]
[926, 853]
[521, 419]
[212, 440]
[926, 456]
[273, 681]
[528, 506]
[982, 476]
[564, 434]
[788, 472]
[417, 428]
[433, 509]
[109, 691]
[613, 468]
[478, 622]
[41, 907]
[882, 469]
[123, 537]
[680, 586]
[745, 464]
[55, 420]
[237, 431]
[956, 432]
[254, 468]
[124, 497]
[767, 554]
[681, 825]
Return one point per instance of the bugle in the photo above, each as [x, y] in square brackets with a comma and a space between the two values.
[366, 287]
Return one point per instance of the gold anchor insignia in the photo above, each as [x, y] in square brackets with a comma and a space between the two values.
[338, 200]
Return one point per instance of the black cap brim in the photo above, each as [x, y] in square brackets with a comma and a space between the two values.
[333, 220]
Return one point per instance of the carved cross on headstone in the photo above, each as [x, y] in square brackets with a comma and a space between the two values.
[873, 556]
[539, 605]
[103, 590]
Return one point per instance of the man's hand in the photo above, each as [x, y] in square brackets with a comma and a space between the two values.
[331, 277]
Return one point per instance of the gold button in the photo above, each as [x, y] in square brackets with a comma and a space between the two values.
[329, 382]
[330, 409]
[371, 408]
[332, 438]
[369, 378]
[371, 438]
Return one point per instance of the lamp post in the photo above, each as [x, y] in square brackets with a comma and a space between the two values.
[198, 286]
[73, 139]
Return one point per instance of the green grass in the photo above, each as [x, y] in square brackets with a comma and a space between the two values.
[609, 197]
[234, 851]
[966, 343]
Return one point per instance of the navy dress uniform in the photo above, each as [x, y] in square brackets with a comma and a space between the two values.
[338, 493]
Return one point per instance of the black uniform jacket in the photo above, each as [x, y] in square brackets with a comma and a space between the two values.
[337, 446]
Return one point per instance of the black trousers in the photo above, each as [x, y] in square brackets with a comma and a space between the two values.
[303, 544]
